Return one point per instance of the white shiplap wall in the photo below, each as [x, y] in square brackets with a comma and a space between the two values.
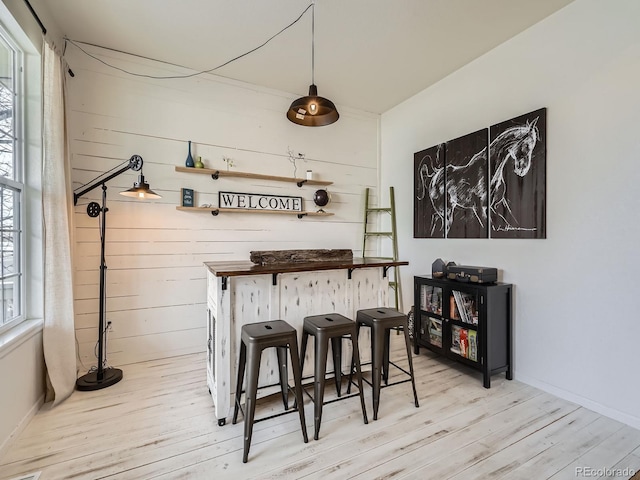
[156, 292]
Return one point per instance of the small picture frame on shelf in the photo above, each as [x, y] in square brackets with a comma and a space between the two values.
[187, 197]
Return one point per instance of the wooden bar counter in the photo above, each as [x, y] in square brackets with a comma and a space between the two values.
[243, 292]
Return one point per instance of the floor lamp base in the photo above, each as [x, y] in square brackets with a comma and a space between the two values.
[90, 381]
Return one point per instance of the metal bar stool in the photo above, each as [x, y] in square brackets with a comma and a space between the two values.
[381, 320]
[255, 337]
[330, 327]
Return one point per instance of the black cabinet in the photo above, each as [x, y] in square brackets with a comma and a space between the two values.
[467, 322]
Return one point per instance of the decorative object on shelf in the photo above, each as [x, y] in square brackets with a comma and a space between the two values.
[466, 273]
[321, 198]
[189, 162]
[312, 110]
[438, 268]
[188, 198]
[309, 174]
[293, 158]
[199, 163]
[228, 161]
[103, 377]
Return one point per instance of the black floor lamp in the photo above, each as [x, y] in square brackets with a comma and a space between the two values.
[101, 377]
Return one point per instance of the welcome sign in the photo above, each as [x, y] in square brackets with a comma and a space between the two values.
[257, 201]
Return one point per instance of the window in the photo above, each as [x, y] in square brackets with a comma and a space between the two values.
[11, 182]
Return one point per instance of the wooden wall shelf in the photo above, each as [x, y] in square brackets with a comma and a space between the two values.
[215, 211]
[215, 174]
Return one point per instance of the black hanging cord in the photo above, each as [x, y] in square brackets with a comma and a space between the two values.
[35, 15]
[75, 43]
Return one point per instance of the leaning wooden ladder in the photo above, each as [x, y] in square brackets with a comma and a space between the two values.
[391, 210]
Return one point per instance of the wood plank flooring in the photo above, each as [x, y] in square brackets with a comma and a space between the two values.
[159, 423]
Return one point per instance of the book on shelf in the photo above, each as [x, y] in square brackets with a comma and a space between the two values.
[435, 332]
[463, 307]
[455, 339]
[473, 345]
[431, 299]
[464, 342]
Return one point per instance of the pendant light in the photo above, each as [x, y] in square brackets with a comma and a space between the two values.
[312, 110]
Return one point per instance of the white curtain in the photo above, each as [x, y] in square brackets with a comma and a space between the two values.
[59, 331]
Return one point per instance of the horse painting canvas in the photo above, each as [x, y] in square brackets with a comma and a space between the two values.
[428, 199]
[466, 186]
[490, 180]
[451, 189]
[517, 157]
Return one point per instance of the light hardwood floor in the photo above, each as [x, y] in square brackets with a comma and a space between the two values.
[159, 423]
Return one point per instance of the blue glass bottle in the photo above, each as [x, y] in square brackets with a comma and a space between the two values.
[189, 162]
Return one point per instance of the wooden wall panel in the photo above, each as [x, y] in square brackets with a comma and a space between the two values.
[156, 281]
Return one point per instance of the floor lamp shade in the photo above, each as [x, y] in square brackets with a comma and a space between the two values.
[140, 189]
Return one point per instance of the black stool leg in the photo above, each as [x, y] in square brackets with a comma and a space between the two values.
[303, 350]
[336, 349]
[356, 358]
[322, 345]
[297, 381]
[353, 360]
[253, 369]
[284, 375]
[377, 345]
[413, 381]
[385, 360]
[240, 379]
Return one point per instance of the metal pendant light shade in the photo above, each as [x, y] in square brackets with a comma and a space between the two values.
[312, 110]
[140, 189]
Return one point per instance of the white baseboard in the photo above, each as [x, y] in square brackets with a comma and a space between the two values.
[21, 426]
[625, 418]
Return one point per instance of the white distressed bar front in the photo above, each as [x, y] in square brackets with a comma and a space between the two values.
[235, 300]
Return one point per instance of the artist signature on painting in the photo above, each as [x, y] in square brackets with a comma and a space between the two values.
[507, 228]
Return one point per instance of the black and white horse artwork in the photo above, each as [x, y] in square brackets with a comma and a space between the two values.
[428, 208]
[466, 179]
[456, 189]
[459, 192]
[517, 155]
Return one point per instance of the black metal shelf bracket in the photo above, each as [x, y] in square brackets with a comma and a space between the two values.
[224, 283]
[301, 182]
[349, 272]
[384, 271]
[301, 215]
[215, 175]
[274, 279]
[215, 212]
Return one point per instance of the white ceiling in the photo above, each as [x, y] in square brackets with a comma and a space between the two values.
[369, 54]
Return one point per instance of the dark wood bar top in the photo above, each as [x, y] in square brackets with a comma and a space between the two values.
[239, 268]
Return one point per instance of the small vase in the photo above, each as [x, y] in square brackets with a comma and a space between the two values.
[199, 163]
[189, 162]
